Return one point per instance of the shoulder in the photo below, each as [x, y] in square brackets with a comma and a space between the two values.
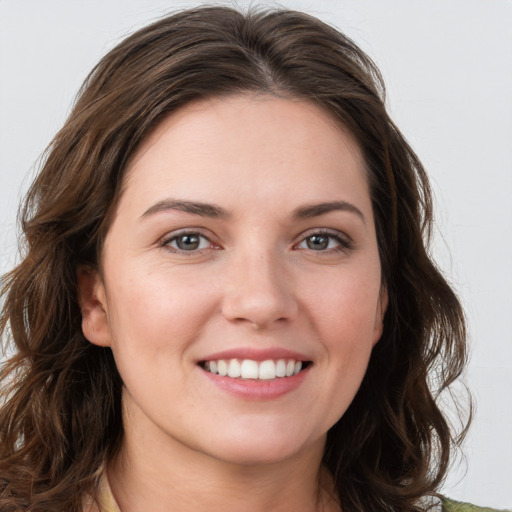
[456, 506]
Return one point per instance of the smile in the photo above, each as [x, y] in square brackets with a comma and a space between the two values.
[251, 369]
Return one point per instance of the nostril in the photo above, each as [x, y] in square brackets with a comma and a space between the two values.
[258, 297]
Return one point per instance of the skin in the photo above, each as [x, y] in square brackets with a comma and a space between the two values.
[255, 282]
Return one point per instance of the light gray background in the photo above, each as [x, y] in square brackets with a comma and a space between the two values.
[448, 67]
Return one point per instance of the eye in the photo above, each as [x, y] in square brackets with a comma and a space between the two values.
[188, 242]
[324, 241]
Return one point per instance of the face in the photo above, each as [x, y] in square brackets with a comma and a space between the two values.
[240, 289]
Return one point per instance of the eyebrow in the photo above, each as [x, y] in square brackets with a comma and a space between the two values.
[215, 211]
[317, 209]
[196, 208]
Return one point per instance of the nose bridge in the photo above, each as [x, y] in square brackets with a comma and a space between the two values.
[257, 291]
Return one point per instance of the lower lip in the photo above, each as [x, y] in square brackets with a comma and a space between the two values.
[252, 389]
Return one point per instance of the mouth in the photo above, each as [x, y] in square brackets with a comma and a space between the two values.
[268, 369]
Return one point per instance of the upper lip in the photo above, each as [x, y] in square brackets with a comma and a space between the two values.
[256, 354]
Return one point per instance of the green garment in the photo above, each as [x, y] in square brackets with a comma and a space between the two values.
[455, 506]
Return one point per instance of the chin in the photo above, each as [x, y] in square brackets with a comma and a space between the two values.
[265, 447]
[256, 455]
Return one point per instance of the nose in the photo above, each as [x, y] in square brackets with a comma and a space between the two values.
[259, 292]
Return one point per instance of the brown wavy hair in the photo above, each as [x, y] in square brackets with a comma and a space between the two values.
[61, 412]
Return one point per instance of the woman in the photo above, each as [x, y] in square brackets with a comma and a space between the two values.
[226, 299]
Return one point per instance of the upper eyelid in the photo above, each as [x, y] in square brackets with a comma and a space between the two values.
[185, 231]
[334, 233]
[345, 241]
[165, 241]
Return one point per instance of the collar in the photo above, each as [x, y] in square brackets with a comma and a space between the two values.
[106, 500]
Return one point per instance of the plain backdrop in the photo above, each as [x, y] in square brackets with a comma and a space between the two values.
[448, 68]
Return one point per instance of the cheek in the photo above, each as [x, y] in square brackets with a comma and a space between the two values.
[157, 311]
[155, 319]
[344, 306]
[344, 319]
[344, 316]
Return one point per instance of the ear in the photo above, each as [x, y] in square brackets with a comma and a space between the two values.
[382, 305]
[92, 301]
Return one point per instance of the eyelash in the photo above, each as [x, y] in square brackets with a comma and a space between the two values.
[176, 236]
[343, 243]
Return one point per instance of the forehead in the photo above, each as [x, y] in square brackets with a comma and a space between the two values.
[247, 144]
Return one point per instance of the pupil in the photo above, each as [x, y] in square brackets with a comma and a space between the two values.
[318, 242]
[188, 242]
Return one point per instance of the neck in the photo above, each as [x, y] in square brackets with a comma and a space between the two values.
[153, 471]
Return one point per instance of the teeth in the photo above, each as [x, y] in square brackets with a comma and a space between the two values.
[222, 367]
[250, 369]
[234, 369]
[267, 370]
[281, 368]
